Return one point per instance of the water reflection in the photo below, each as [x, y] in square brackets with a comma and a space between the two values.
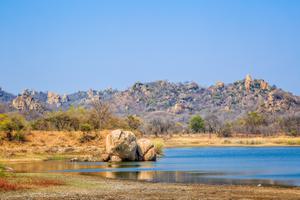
[266, 166]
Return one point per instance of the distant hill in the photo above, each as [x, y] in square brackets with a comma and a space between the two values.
[174, 100]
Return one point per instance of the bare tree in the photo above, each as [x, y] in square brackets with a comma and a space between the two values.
[100, 113]
[213, 124]
[158, 126]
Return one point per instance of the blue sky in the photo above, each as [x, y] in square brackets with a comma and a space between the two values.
[71, 45]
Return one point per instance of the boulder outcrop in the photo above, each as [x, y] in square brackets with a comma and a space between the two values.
[26, 101]
[248, 82]
[146, 150]
[54, 99]
[124, 146]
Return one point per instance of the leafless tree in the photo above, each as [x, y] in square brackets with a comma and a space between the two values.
[100, 113]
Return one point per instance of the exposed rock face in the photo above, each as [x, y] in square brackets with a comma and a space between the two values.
[65, 98]
[54, 99]
[248, 82]
[264, 85]
[123, 146]
[220, 84]
[146, 150]
[178, 108]
[26, 101]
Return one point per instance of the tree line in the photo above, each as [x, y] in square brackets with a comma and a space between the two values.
[99, 117]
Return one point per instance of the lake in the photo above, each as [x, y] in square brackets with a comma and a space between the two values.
[213, 165]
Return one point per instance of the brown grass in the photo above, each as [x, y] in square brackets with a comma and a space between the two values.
[7, 186]
[57, 145]
[194, 140]
[14, 182]
[40, 182]
[41, 145]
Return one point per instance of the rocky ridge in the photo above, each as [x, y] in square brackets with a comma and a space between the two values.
[175, 100]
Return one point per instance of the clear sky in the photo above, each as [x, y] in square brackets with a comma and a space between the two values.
[71, 45]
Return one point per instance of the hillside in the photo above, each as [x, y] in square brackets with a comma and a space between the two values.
[174, 100]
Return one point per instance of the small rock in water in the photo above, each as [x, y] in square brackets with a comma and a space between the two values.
[74, 160]
[9, 169]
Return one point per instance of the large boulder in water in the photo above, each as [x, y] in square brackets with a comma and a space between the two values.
[122, 144]
[146, 150]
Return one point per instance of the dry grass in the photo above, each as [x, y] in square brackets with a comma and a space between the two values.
[206, 140]
[43, 145]
[58, 145]
[13, 182]
[7, 186]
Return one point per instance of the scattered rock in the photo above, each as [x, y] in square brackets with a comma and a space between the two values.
[115, 159]
[105, 157]
[8, 169]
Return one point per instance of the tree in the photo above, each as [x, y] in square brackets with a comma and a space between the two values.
[8, 124]
[212, 124]
[159, 126]
[252, 122]
[197, 124]
[226, 130]
[100, 113]
[291, 125]
[86, 129]
[133, 122]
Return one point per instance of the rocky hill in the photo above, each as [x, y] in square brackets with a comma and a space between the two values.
[174, 100]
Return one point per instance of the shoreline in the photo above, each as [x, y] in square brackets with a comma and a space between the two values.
[49, 145]
[90, 187]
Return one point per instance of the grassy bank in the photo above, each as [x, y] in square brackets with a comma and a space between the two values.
[198, 140]
[54, 145]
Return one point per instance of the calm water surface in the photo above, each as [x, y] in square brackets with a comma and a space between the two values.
[214, 165]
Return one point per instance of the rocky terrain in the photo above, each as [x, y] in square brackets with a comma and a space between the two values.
[174, 100]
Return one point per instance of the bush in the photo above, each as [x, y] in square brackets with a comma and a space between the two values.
[58, 121]
[12, 123]
[19, 136]
[85, 127]
[159, 147]
[133, 122]
[158, 126]
[2, 170]
[291, 125]
[226, 130]
[197, 124]
[253, 121]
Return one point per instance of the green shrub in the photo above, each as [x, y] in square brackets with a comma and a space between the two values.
[226, 130]
[85, 127]
[197, 124]
[159, 147]
[2, 170]
[133, 122]
[10, 124]
[19, 136]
